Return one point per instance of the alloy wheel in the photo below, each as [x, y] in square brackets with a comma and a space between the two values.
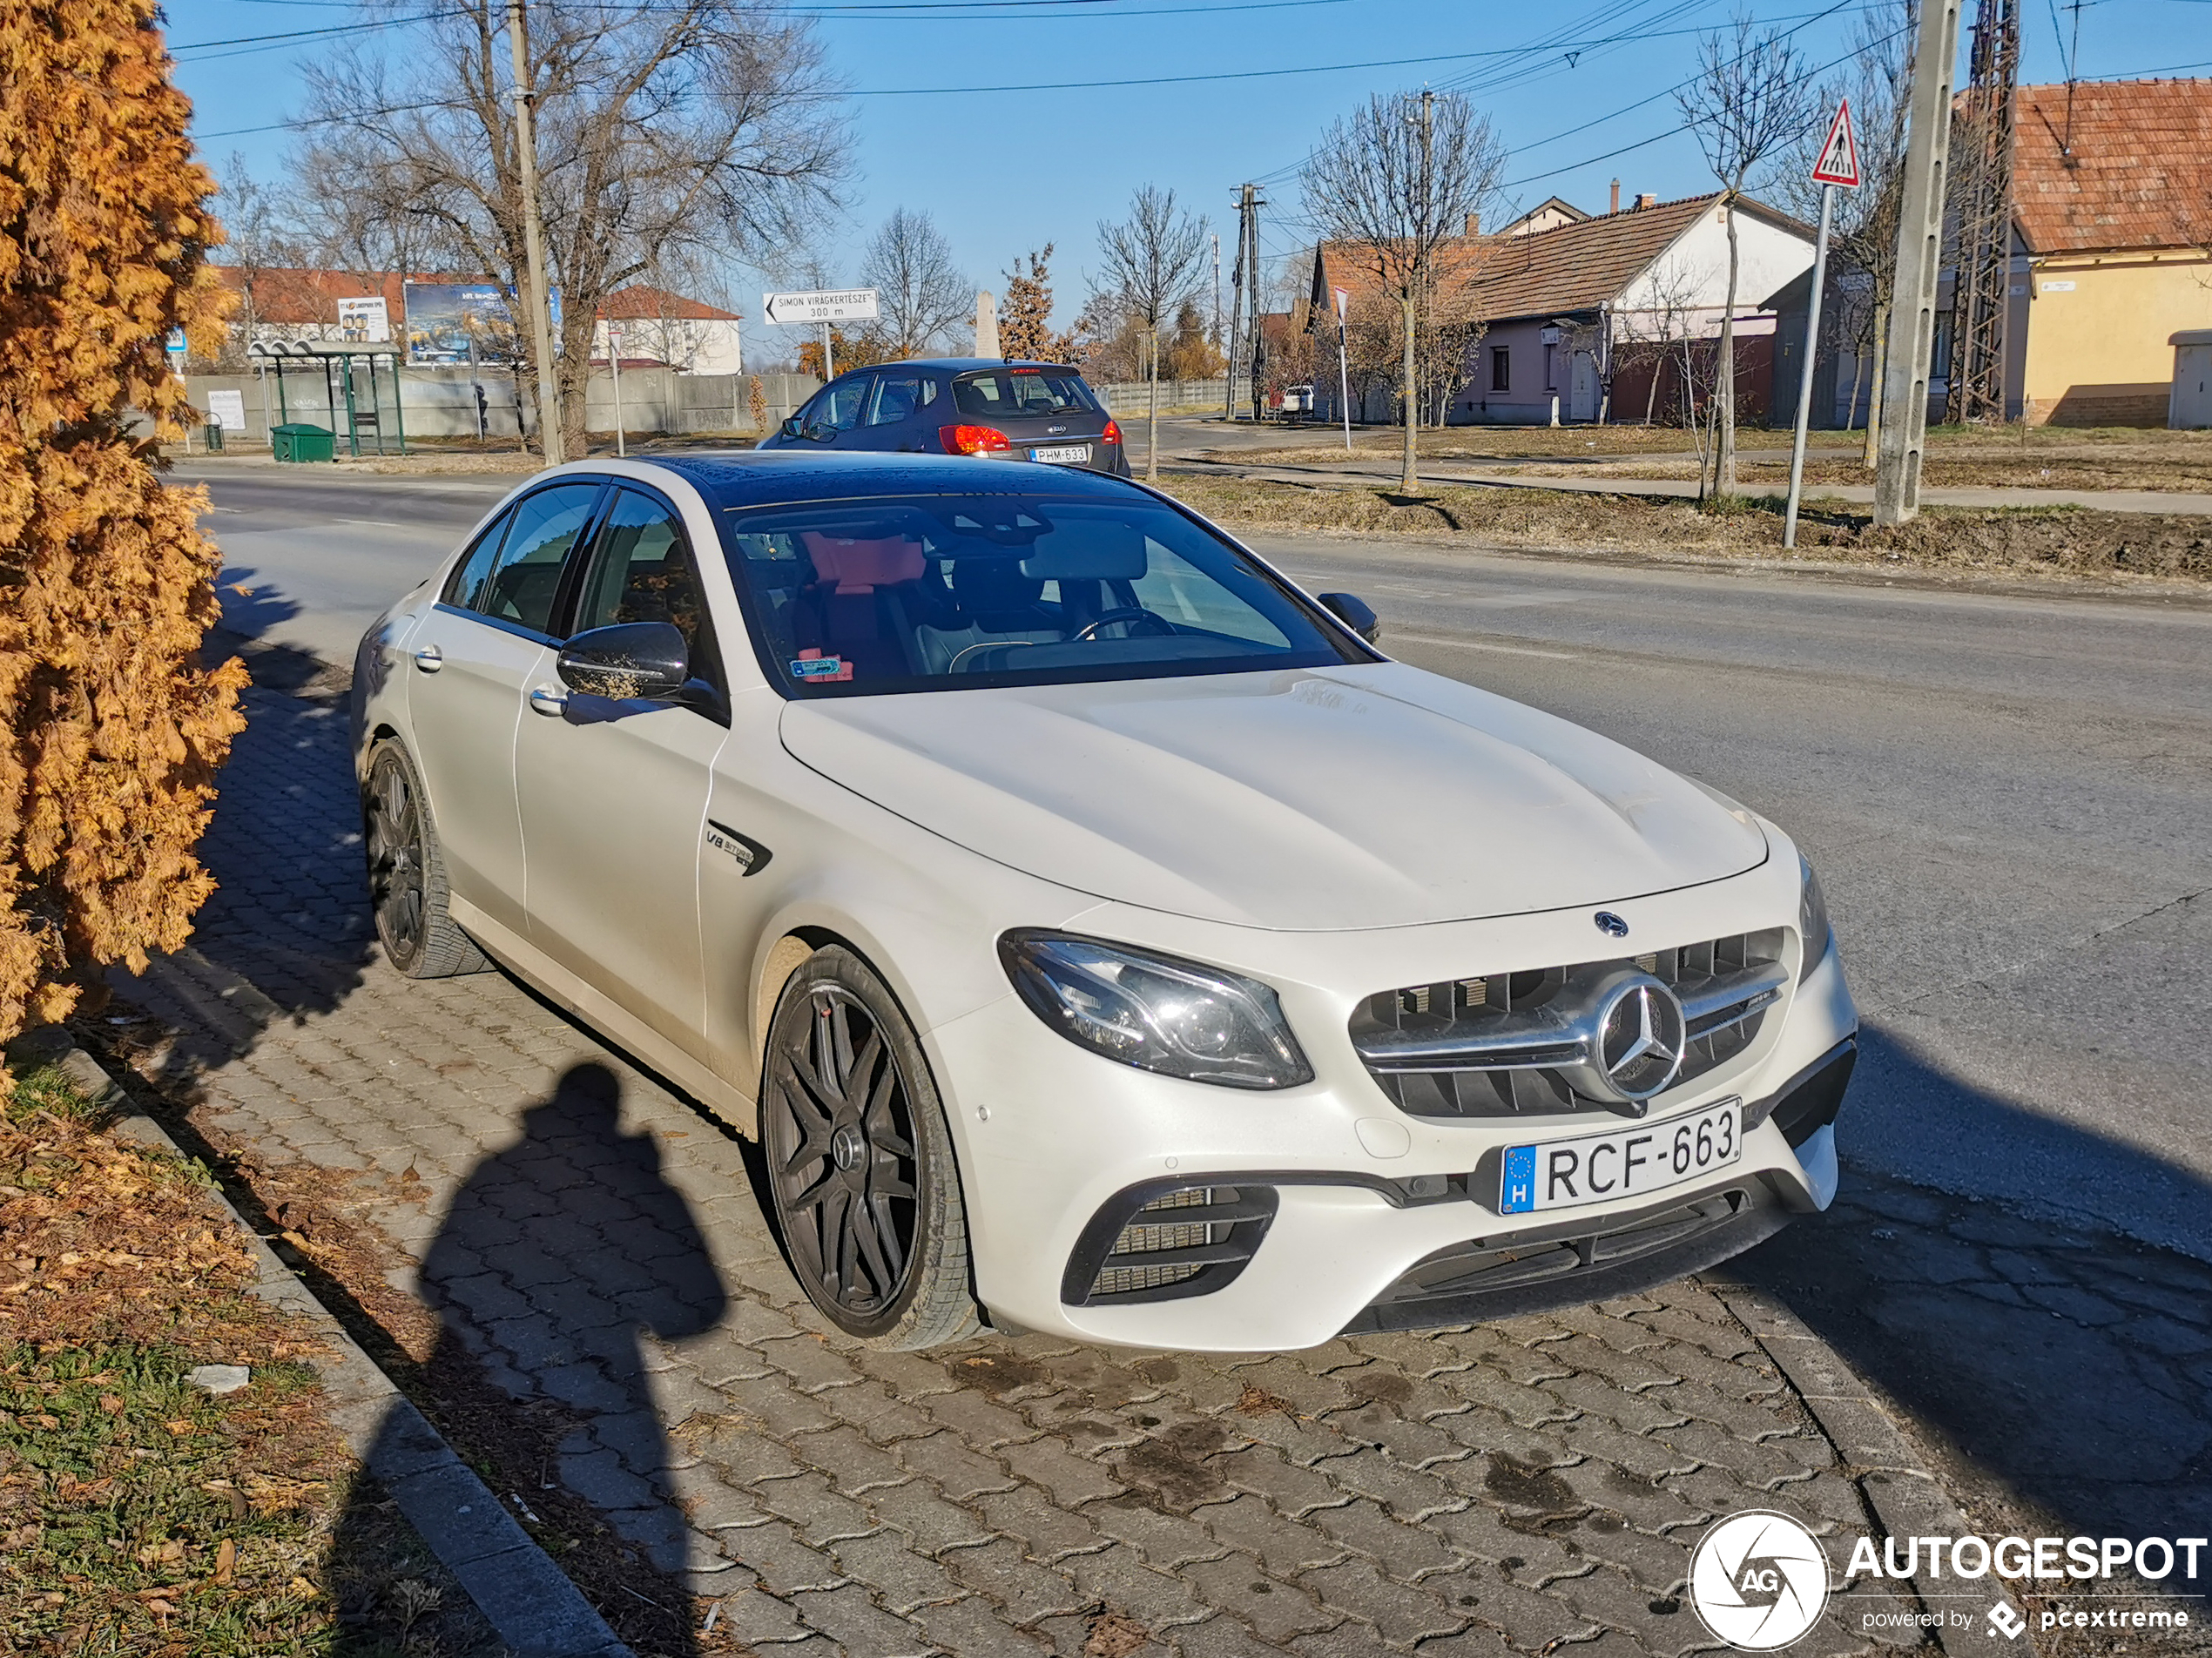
[395, 859]
[842, 1155]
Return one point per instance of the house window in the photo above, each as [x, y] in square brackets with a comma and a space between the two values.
[1500, 368]
[1551, 368]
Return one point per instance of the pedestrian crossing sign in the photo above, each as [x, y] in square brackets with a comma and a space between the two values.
[1838, 163]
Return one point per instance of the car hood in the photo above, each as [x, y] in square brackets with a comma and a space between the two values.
[1361, 797]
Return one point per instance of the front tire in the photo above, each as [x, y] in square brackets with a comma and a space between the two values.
[406, 874]
[860, 1166]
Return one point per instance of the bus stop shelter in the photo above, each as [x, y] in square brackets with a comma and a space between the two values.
[348, 374]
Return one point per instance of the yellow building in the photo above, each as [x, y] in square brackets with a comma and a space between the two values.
[2112, 216]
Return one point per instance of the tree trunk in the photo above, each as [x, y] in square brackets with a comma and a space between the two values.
[1651, 397]
[1152, 420]
[1874, 387]
[1724, 447]
[1411, 474]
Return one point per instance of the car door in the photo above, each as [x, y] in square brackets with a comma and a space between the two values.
[892, 417]
[473, 654]
[613, 793]
[832, 420]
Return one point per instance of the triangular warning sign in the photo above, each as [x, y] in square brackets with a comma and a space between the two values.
[1838, 163]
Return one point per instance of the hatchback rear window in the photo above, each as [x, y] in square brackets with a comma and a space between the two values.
[1014, 392]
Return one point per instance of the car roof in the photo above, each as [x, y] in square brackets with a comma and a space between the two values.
[770, 477]
[963, 364]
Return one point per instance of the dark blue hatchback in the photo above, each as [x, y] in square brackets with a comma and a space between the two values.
[1004, 411]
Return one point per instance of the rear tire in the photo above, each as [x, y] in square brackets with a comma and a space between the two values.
[860, 1167]
[407, 890]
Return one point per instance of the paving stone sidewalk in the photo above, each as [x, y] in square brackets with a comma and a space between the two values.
[1533, 1486]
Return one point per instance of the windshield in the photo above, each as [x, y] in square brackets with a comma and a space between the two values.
[1013, 393]
[946, 592]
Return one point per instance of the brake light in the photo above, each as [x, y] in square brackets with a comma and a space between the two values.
[1113, 432]
[973, 440]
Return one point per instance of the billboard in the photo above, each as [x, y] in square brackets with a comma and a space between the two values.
[364, 321]
[444, 317]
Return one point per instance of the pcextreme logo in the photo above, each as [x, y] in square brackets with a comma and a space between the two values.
[1759, 1581]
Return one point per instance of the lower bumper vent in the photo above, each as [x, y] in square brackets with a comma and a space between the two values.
[1162, 1241]
[1573, 1262]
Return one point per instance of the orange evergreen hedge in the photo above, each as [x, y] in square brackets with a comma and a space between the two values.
[113, 731]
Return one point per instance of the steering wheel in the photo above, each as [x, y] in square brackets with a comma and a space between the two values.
[1131, 614]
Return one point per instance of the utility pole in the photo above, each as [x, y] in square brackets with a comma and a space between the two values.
[1919, 260]
[1253, 203]
[1234, 346]
[1216, 240]
[538, 298]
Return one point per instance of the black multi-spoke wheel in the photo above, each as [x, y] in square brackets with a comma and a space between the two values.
[407, 876]
[860, 1164]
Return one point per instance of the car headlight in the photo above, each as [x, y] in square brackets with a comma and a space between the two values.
[1813, 930]
[1155, 1012]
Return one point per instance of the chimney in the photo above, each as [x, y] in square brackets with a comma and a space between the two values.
[1615, 207]
[1647, 200]
[1475, 225]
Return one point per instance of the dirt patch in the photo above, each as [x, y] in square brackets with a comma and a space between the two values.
[1113, 1635]
[1170, 1471]
[2051, 541]
[1255, 1400]
[995, 1372]
[1529, 1484]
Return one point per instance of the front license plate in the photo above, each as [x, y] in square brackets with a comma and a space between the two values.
[1563, 1174]
[1063, 454]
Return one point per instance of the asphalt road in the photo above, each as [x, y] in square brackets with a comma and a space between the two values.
[2009, 797]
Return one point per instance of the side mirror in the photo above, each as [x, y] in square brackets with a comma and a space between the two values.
[643, 660]
[791, 427]
[1353, 611]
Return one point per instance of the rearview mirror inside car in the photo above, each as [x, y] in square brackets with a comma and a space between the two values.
[646, 660]
[1353, 611]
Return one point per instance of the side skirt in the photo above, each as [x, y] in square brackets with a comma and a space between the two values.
[527, 962]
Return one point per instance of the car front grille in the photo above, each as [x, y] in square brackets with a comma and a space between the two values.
[1508, 1044]
[1164, 1245]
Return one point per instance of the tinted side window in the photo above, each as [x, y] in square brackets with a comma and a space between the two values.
[521, 582]
[469, 574]
[642, 571]
[839, 407]
[898, 395]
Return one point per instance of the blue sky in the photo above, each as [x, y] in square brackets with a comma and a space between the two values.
[1566, 85]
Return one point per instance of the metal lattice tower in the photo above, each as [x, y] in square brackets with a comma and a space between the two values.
[1979, 306]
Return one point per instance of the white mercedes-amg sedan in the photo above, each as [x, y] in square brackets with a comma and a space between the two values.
[1100, 935]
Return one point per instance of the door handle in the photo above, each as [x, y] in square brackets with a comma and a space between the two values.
[549, 699]
[429, 659]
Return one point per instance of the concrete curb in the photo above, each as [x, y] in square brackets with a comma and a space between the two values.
[1903, 1494]
[527, 1599]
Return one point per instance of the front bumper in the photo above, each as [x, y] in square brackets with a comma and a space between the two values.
[1374, 1218]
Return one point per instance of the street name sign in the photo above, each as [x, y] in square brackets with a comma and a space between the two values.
[827, 305]
[1838, 163]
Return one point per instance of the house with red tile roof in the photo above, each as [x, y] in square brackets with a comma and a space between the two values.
[2111, 219]
[1574, 307]
[302, 304]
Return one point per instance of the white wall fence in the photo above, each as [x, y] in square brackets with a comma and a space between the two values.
[437, 402]
[1123, 398]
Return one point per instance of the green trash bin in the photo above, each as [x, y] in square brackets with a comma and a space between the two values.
[297, 441]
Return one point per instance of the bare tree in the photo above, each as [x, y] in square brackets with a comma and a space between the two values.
[1397, 179]
[1862, 241]
[1153, 260]
[689, 128]
[1751, 98]
[924, 293]
[258, 236]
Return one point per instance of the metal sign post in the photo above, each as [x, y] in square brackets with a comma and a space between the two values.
[1838, 167]
[1343, 371]
[824, 306]
[614, 364]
